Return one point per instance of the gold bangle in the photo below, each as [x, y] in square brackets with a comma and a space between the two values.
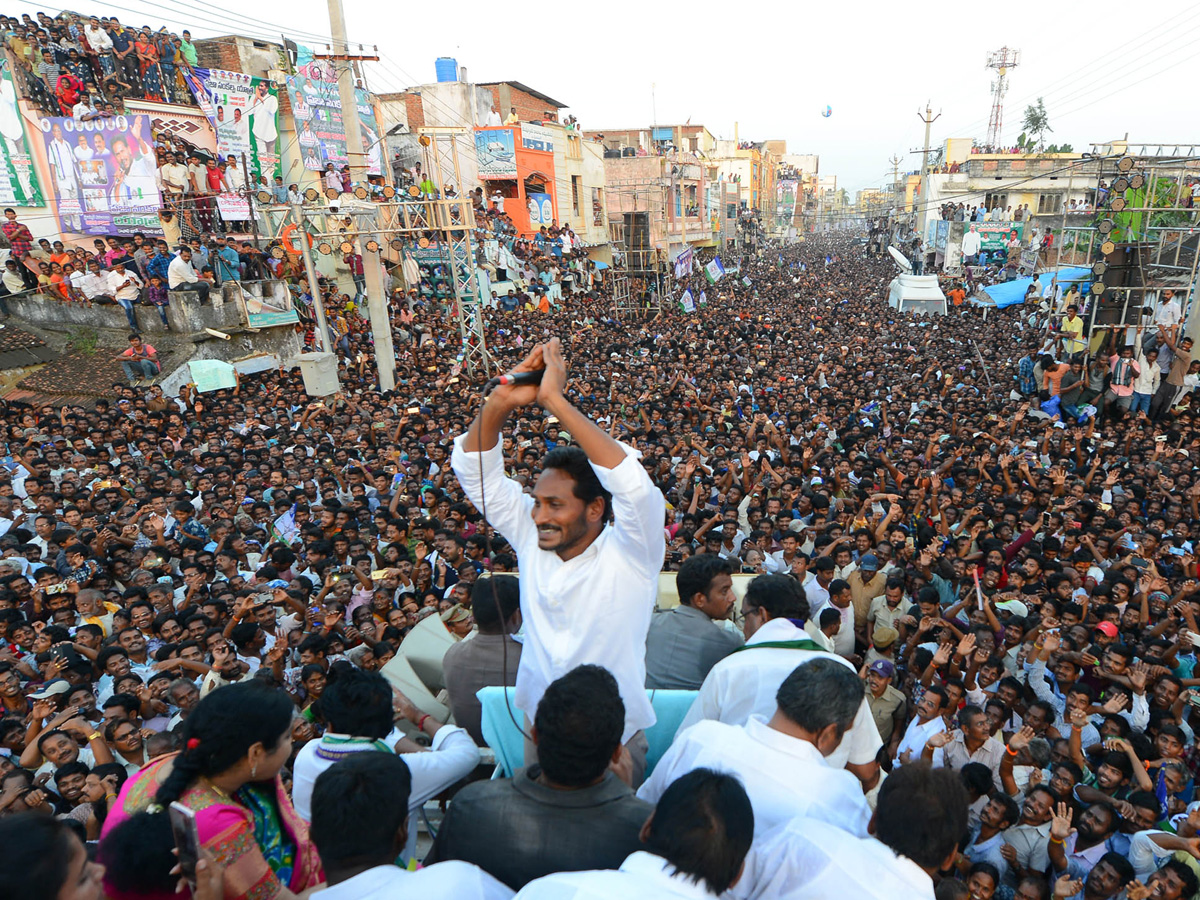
[95, 735]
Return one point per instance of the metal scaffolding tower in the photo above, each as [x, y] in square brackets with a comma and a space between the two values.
[1141, 238]
[637, 281]
[387, 229]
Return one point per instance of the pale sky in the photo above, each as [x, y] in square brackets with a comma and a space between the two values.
[874, 66]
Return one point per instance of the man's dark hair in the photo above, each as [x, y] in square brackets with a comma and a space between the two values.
[1143, 799]
[922, 813]
[703, 825]
[137, 857]
[360, 810]
[1012, 812]
[579, 723]
[697, 573]
[493, 597]
[1187, 878]
[1123, 866]
[573, 463]
[977, 778]
[357, 702]
[781, 596]
[820, 693]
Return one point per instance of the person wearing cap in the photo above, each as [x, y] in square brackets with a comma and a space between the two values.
[889, 707]
[685, 642]
[1106, 633]
[883, 644]
[866, 583]
[457, 620]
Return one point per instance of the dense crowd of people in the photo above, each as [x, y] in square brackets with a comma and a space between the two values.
[962, 666]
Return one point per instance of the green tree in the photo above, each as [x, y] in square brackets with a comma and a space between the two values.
[1036, 123]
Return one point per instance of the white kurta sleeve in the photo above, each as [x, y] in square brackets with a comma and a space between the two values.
[506, 506]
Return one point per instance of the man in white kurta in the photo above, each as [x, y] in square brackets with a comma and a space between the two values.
[588, 587]
[918, 822]
[643, 876]
[781, 762]
[808, 860]
[784, 776]
[745, 683]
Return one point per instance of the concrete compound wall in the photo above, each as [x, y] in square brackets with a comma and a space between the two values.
[187, 317]
[225, 310]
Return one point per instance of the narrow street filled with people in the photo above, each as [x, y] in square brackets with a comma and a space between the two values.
[964, 657]
[408, 492]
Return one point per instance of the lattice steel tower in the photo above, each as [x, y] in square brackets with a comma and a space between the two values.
[1001, 60]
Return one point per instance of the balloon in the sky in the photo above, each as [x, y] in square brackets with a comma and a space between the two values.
[827, 111]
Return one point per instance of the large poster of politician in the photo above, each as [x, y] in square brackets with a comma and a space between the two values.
[317, 109]
[18, 178]
[102, 175]
[244, 112]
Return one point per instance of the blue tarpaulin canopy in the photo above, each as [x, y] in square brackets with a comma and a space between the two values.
[1010, 293]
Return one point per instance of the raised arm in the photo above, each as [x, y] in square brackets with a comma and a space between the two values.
[601, 449]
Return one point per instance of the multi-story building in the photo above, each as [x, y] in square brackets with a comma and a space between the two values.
[542, 170]
[872, 202]
[753, 165]
[685, 199]
[656, 139]
[668, 172]
[1043, 182]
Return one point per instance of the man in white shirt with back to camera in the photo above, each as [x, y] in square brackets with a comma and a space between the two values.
[589, 544]
[746, 682]
[360, 828]
[782, 762]
[696, 843]
[918, 821]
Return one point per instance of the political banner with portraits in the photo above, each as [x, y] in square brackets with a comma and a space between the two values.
[18, 178]
[103, 176]
[244, 113]
[320, 129]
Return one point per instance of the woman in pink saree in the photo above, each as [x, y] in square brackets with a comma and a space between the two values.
[236, 741]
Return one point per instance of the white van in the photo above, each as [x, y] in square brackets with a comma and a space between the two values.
[914, 293]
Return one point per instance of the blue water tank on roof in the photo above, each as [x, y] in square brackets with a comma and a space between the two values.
[446, 68]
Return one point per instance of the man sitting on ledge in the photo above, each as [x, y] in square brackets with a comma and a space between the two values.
[182, 277]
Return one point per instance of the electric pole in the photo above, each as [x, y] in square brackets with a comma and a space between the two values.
[311, 271]
[895, 161]
[377, 302]
[929, 118]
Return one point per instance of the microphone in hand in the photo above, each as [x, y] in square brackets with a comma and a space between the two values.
[514, 378]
